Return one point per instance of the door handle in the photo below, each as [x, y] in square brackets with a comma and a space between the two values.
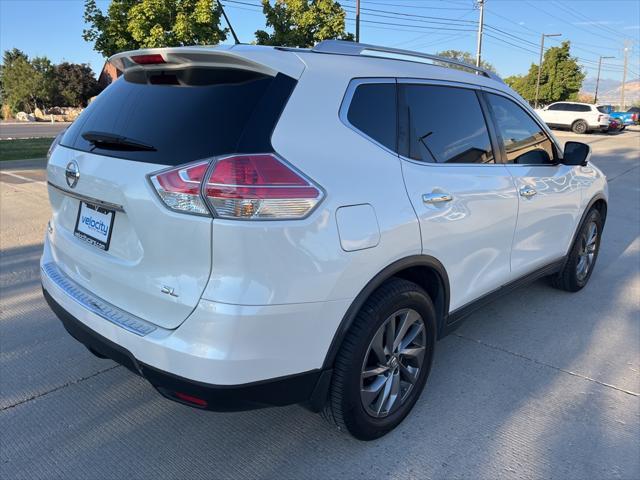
[438, 197]
[527, 192]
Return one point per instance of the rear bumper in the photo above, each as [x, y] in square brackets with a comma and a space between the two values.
[308, 388]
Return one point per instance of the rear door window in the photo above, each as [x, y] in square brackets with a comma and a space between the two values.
[427, 132]
[373, 111]
[182, 115]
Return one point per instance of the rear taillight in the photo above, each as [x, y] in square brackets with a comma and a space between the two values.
[259, 187]
[179, 188]
[250, 187]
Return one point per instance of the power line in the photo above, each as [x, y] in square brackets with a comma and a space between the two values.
[401, 5]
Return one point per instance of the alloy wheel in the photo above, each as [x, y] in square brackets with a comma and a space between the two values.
[393, 363]
[587, 251]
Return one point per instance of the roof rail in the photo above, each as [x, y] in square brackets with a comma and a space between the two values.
[343, 47]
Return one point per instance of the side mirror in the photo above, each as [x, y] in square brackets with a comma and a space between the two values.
[576, 153]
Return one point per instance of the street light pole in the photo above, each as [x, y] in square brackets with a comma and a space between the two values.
[595, 96]
[357, 20]
[624, 73]
[540, 63]
[480, 28]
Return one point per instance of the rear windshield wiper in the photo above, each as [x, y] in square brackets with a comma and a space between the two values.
[111, 141]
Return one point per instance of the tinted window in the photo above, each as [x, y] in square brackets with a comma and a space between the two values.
[184, 115]
[428, 133]
[523, 140]
[373, 112]
[557, 107]
[581, 108]
[604, 109]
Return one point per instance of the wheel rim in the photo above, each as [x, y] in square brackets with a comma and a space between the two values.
[587, 251]
[393, 363]
[580, 127]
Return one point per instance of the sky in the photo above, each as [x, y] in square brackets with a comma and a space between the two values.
[53, 28]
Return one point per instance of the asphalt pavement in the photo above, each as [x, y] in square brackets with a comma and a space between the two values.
[11, 130]
[539, 384]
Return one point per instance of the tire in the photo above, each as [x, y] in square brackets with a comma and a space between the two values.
[579, 127]
[573, 277]
[623, 127]
[353, 405]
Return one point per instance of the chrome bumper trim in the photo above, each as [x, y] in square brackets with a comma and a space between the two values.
[88, 199]
[95, 304]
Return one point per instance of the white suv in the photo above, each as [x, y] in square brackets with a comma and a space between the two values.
[252, 226]
[579, 117]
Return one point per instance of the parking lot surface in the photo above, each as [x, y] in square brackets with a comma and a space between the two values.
[539, 384]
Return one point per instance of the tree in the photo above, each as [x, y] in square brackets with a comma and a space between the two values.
[560, 78]
[25, 84]
[302, 23]
[74, 84]
[133, 24]
[466, 57]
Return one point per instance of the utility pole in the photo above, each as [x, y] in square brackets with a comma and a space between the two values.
[535, 103]
[357, 20]
[624, 73]
[480, 5]
[595, 97]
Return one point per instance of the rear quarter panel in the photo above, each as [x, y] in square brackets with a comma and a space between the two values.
[278, 262]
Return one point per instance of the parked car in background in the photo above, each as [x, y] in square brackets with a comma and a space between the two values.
[579, 117]
[624, 118]
[236, 259]
[636, 111]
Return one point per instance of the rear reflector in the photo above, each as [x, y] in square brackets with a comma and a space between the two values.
[190, 399]
[152, 59]
[259, 186]
[248, 187]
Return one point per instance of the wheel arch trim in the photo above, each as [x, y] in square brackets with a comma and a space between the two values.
[595, 199]
[382, 276]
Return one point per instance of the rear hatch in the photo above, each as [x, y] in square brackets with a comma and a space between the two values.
[111, 233]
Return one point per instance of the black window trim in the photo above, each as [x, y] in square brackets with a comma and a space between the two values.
[490, 126]
[544, 128]
[343, 113]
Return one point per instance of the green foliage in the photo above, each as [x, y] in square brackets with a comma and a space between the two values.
[302, 23]
[74, 84]
[37, 83]
[25, 83]
[466, 57]
[133, 24]
[560, 79]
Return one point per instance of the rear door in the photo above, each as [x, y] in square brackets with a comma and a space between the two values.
[549, 193]
[466, 202]
[111, 232]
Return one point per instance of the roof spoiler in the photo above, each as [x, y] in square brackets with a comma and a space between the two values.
[264, 60]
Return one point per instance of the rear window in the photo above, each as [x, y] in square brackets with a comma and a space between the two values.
[184, 115]
[373, 112]
[604, 109]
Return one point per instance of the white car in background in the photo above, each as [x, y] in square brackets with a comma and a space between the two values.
[579, 117]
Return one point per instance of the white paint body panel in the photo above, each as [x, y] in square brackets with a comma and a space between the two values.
[470, 235]
[151, 247]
